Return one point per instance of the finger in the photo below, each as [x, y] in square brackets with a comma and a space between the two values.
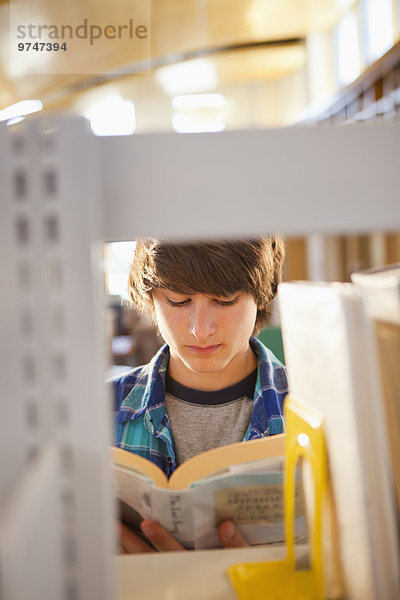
[130, 543]
[230, 536]
[159, 537]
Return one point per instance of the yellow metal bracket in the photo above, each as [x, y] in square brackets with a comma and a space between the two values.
[279, 580]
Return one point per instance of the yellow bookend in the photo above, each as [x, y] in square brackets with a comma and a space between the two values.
[279, 580]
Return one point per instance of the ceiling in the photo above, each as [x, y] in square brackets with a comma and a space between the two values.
[251, 44]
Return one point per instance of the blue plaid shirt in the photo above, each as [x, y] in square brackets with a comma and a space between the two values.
[141, 421]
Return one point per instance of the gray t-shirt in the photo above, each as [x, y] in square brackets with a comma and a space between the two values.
[204, 420]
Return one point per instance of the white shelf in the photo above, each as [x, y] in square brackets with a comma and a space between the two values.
[185, 575]
[296, 181]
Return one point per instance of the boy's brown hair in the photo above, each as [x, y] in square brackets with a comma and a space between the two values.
[214, 268]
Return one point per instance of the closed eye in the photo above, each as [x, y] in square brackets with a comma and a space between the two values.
[182, 303]
[178, 304]
[227, 302]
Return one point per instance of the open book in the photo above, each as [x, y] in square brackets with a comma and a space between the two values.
[242, 482]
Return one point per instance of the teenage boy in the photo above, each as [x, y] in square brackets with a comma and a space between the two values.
[212, 383]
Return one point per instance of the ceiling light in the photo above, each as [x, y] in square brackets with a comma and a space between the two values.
[14, 121]
[197, 101]
[184, 124]
[20, 109]
[112, 116]
[197, 75]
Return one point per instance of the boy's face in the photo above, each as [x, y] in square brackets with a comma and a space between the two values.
[206, 335]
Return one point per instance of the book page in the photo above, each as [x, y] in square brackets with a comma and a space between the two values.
[146, 500]
[136, 490]
[213, 461]
[174, 510]
[253, 501]
[269, 465]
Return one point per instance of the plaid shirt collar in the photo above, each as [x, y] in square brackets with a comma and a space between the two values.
[147, 396]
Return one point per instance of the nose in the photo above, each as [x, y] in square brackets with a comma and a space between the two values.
[202, 322]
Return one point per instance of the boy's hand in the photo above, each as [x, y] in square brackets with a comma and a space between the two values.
[230, 536]
[162, 541]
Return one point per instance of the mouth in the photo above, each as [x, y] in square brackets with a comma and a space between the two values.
[203, 349]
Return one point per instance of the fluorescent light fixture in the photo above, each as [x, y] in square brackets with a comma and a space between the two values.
[197, 75]
[184, 124]
[14, 121]
[20, 109]
[185, 101]
[112, 116]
